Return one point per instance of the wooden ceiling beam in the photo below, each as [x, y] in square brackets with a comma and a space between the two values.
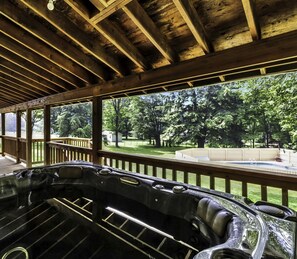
[190, 16]
[51, 72]
[3, 99]
[222, 78]
[98, 5]
[19, 87]
[37, 82]
[48, 80]
[112, 33]
[21, 36]
[12, 94]
[263, 71]
[139, 16]
[37, 29]
[250, 14]
[23, 80]
[92, 46]
[105, 9]
[253, 56]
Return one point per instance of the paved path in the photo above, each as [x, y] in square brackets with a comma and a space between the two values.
[8, 165]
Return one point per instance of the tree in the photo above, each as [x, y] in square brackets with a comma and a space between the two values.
[73, 120]
[206, 114]
[261, 118]
[148, 116]
[285, 99]
[116, 117]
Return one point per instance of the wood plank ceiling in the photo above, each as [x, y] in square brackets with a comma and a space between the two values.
[84, 48]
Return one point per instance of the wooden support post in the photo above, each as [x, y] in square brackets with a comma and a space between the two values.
[18, 136]
[29, 138]
[3, 132]
[97, 129]
[47, 134]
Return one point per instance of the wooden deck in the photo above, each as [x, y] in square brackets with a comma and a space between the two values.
[8, 165]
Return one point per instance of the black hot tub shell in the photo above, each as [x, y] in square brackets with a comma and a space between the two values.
[81, 210]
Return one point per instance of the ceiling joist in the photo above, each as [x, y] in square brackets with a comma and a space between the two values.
[35, 45]
[111, 33]
[36, 60]
[76, 35]
[26, 90]
[191, 18]
[109, 48]
[138, 15]
[33, 80]
[253, 56]
[250, 13]
[106, 9]
[37, 29]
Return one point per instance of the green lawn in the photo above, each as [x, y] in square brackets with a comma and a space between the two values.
[144, 148]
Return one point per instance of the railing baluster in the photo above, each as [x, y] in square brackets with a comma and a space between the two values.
[285, 197]
[263, 193]
[123, 164]
[33, 152]
[145, 169]
[154, 171]
[137, 168]
[244, 189]
[198, 179]
[211, 182]
[130, 166]
[164, 175]
[117, 163]
[174, 178]
[227, 185]
[186, 177]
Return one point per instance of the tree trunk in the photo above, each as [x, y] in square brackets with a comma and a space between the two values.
[253, 143]
[158, 141]
[267, 139]
[117, 131]
[201, 142]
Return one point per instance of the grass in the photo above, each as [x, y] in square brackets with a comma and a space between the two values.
[144, 148]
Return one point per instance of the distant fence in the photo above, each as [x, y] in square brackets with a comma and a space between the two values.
[228, 154]
[288, 156]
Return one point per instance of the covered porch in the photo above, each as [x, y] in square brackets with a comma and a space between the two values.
[109, 49]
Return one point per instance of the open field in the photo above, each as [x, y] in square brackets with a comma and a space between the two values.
[144, 148]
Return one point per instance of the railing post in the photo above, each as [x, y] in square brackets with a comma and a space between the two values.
[47, 134]
[29, 138]
[3, 132]
[97, 129]
[18, 136]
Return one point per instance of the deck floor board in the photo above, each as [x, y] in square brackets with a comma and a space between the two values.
[8, 165]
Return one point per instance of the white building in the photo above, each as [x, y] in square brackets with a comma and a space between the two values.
[111, 136]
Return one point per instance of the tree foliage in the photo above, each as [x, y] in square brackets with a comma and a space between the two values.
[116, 117]
[147, 114]
[262, 110]
[206, 115]
[72, 120]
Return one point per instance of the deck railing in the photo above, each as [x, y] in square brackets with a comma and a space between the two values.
[272, 186]
[63, 153]
[276, 187]
[10, 144]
